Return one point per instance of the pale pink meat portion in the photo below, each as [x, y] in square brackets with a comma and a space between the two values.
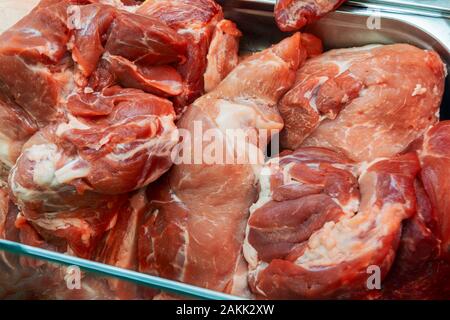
[223, 53]
[195, 230]
[366, 102]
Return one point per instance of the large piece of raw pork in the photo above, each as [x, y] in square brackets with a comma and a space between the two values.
[366, 102]
[201, 23]
[434, 156]
[321, 221]
[195, 230]
[86, 91]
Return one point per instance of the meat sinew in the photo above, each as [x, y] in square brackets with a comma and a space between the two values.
[366, 102]
[196, 229]
[311, 235]
[292, 15]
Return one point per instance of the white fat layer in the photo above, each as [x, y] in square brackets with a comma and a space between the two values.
[254, 274]
[55, 224]
[239, 116]
[75, 169]
[175, 198]
[73, 123]
[351, 238]
[365, 165]
[45, 157]
[250, 253]
[351, 207]
[313, 97]
[240, 283]
[419, 90]
[5, 144]
[233, 120]
[265, 193]
[181, 258]
[437, 114]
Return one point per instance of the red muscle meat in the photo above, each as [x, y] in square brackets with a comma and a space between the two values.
[131, 45]
[90, 142]
[17, 127]
[69, 174]
[195, 229]
[92, 23]
[196, 21]
[292, 15]
[351, 100]
[33, 52]
[120, 245]
[435, 160]
[324, 247]
[416, 272]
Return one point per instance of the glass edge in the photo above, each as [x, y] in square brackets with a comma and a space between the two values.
[123, 274]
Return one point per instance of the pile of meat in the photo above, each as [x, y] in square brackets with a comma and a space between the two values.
[94, 96]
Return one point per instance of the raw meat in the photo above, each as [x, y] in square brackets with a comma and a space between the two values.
[69, 174]
[300, 192]
[435, 160]
[223, 53]
[96, 141]
[132, 45]
[323, 247]
[195, 229]
[366, 102]
[292, 15]
[17, 127]
[39, 48]
[416, 272]
[120, 245]
[34, 52]
[196, 21]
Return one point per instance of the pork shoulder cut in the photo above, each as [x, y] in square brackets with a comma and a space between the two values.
[366, 102]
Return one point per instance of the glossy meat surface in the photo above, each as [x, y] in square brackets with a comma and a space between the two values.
[366, 102]
[347, 218]
[196, 227]
[435, 160]
[196, 21]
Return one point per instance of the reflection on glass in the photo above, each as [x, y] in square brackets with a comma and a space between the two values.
[24, 277]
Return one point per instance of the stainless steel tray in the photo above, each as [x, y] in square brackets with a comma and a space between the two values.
[345, 28]
[429, 8]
